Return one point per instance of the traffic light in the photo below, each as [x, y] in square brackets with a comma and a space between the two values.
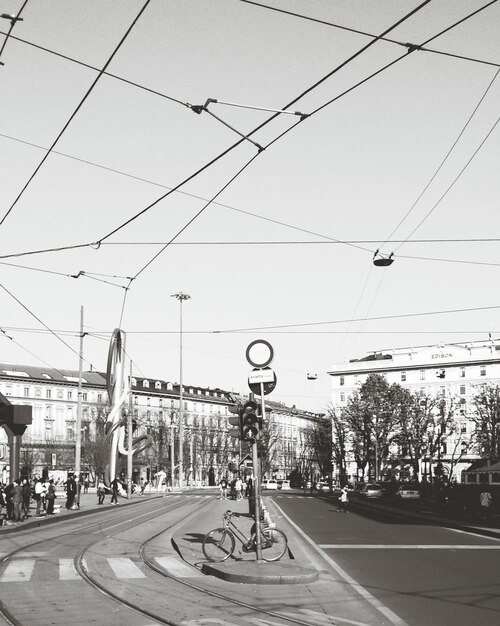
[235, 420]
[250, 421]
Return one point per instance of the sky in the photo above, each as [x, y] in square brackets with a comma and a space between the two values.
[273, 236]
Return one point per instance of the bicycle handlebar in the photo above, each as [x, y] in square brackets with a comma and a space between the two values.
[229, 513]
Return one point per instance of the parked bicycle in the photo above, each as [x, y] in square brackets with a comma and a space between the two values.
[219, 544]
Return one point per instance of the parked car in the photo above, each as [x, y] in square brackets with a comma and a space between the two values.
[372, 490]
[270, 484]
[408, 492]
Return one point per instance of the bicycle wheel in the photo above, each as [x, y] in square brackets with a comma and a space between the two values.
[218, 545]
[274, 544]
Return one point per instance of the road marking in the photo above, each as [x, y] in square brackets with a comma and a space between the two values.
[67, 570]
[18, 570]
[125, 568]
[175, 567]
[371, 546]
[364, 593]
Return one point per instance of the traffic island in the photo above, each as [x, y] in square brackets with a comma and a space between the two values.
[263, 573]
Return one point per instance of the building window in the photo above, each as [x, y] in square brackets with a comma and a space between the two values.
[422, 391]
[135, 399]
[59, 394]
[483, 370]
[157, 384]
[26, 392]
[70, 432]
[70, 395]
[148, 401]
[133, 382]
[84, 397]
[403, 377]
[99, 397]
[342, 381]
[422, 374]
[442, 391]
[463, 427]
[145, 383]
[48, 393]
[38, 392]
[342, 397]
[462, 389]
[48, 412]
[462, 372]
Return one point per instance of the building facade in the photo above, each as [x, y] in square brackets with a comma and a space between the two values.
[49, 442]
[453, 372]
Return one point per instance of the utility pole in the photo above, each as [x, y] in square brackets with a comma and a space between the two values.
[78, 444]
[129, 435]
[181, 297]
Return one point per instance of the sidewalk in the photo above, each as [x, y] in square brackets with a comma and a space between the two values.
[88, 504]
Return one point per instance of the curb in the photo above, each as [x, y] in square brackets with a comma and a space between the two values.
[252, 572]
[36, 522]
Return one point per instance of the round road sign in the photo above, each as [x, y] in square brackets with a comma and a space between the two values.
[267, 387]
[259, 353]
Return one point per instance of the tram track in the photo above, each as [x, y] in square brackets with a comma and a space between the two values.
[144, 609]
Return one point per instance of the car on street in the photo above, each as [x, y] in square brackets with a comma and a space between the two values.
[408, 492]
[372, 490]
[283, 484]
[270, 483]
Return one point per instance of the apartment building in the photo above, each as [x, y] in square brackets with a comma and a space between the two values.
[445, 370]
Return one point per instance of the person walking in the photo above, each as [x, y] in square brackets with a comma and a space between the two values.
[17, 500]
[238, 486]
[26, 498]
[50, 497]
[343, 501]
[114, 490]
[485, 501]
[39, 497]
[101, 492]
[71, 490]
[223, 489]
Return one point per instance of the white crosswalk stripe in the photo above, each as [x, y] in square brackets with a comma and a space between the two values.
[67, 570]
[125, 568]
[18, 570]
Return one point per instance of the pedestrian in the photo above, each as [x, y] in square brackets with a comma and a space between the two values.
[85, 485]
[26, 498]
[50, 497]
[249, 487]
[343, 501]
[39, 497]
[223, 489]
[238, 486]
[232, 486]
[8, 501]
[17, 500]
[114, 490]
[485, 500]
[144, 484]
[101, 492]
[2, 502]
[71, 491]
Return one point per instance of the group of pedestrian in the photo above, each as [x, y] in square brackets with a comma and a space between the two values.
[16, 497]
[238, 488]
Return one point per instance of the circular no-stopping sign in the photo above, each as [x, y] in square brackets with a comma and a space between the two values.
[259, 353]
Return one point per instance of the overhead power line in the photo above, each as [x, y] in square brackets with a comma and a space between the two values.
[72, 116]
[356, 31]
[52, 332]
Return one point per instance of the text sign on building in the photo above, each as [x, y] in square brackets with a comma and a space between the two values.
[261, 376]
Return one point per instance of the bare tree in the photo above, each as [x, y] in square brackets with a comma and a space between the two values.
[486, 417]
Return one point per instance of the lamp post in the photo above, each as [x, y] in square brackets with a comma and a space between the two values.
[181, 297]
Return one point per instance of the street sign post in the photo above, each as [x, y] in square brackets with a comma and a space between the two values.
[259, 354]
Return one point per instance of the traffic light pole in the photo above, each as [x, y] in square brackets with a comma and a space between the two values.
[256, 488]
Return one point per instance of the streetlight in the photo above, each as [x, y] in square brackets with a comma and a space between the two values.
[181, 297]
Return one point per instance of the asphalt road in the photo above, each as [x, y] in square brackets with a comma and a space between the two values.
[427, 575]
